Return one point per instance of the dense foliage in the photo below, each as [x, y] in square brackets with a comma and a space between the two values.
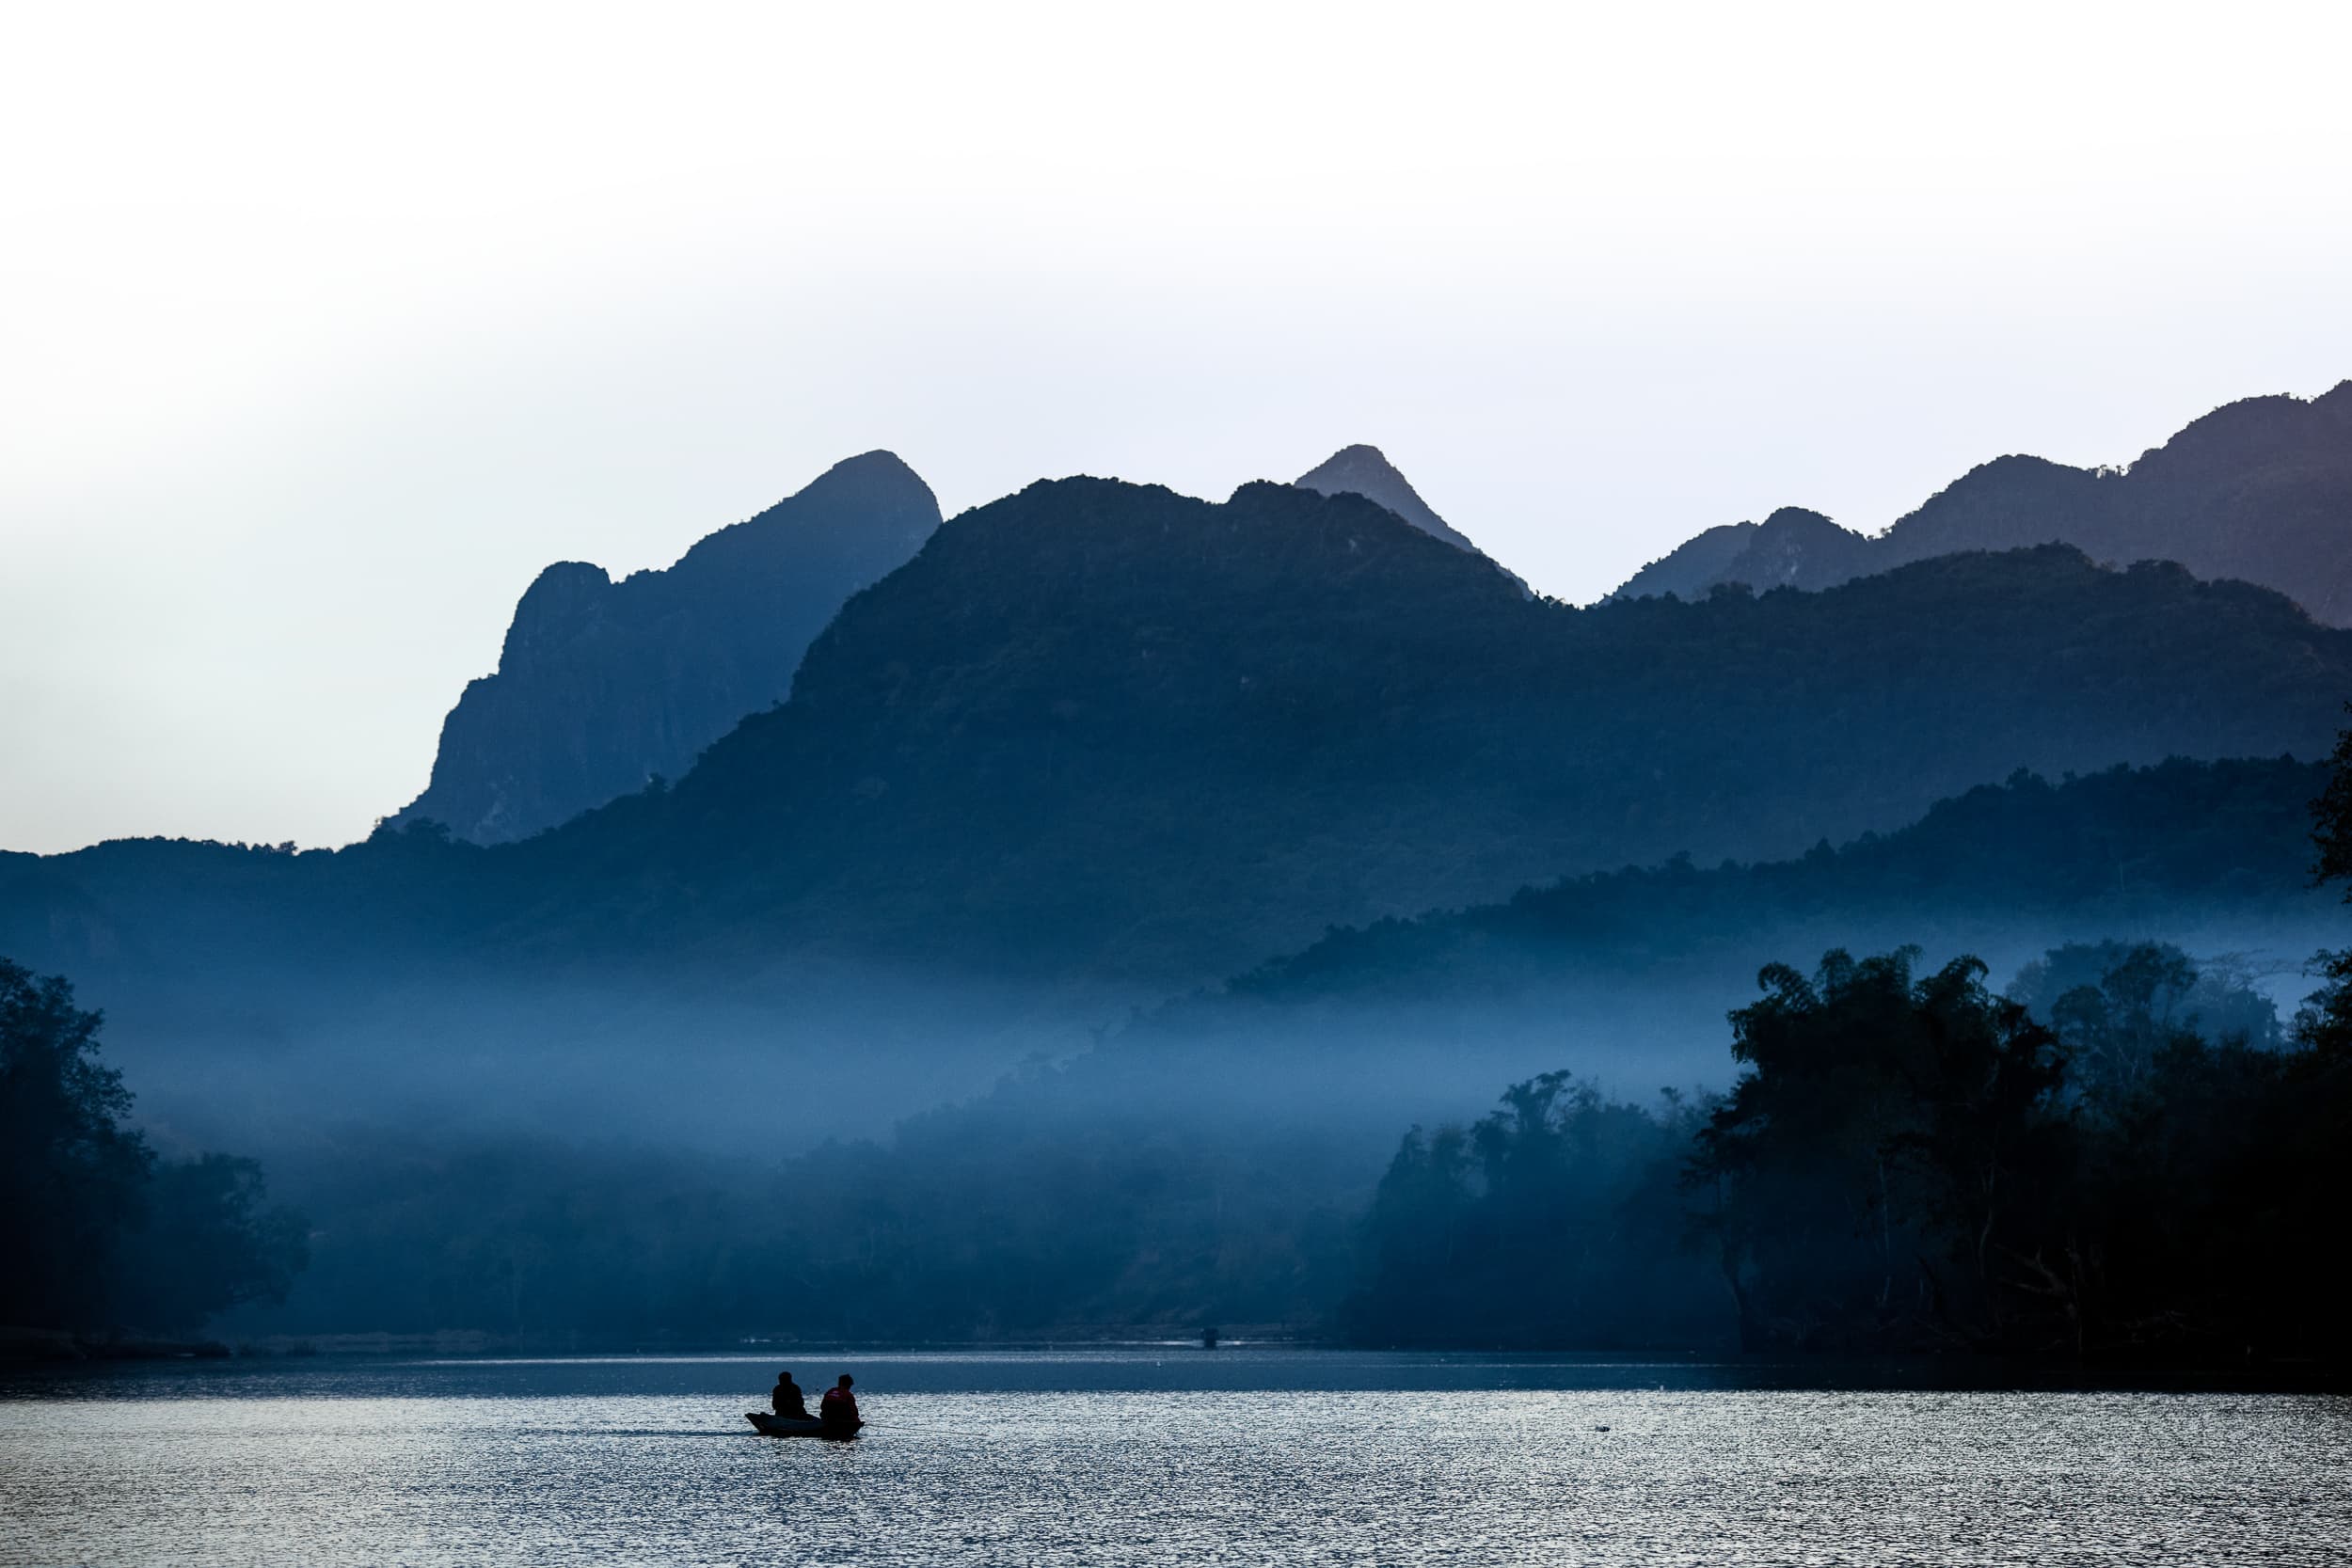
[1872, 1167]
[1558, 1220]
[1176, 1174]
[2122, 1158]
[1016, 1217]
[1909, 1161]
[97, 1231]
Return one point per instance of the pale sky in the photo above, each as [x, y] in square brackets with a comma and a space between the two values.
[324, 328]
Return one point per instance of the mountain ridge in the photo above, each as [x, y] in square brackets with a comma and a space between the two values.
[1290, 708]
[1103, 733]
[2258, 490]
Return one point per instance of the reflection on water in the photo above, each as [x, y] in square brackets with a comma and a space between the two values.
[1150, 1457]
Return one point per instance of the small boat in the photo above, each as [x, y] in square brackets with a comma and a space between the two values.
[788, 1426]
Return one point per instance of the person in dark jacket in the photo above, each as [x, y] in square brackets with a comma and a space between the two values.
[838, 1408]
[788, 1400]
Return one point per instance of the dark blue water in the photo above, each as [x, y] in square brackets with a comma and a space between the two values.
[1150, 1455]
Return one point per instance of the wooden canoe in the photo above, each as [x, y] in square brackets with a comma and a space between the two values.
[787, 1426]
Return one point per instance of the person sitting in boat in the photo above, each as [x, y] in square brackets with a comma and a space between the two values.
[788, 1400]
[838, 1408]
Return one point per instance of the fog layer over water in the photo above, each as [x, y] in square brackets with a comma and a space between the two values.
[1154, 1454]
[633, 1164]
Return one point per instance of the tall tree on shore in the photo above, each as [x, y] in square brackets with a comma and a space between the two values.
[1877, 1160]
[72, 1175]
[97, 1231]
[2324, 1023]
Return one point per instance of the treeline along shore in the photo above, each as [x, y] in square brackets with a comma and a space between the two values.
[2126, 1158]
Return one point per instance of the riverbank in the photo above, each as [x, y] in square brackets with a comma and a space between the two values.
[58, 1344]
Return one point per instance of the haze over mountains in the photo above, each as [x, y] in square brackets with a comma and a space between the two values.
[604, 686]
[1101, 729]
[1103, 725]
[1203, 1162]
[2259, 490]
[853, 810]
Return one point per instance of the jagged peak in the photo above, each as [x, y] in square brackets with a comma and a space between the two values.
[1363, 469]
[880, 482]
[1357, 458]
[1788, 518]
[563, 585]
[559, 599]
[878, 472]
[880, 466]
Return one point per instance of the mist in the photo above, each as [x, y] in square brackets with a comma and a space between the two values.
[623, 1162]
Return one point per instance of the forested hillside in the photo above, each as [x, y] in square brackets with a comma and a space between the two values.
[1103, 730]
[1108, 727]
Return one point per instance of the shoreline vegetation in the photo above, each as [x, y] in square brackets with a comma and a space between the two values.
[41, 1353]
[2125, 1166]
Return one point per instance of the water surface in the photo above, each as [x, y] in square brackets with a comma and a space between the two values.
[1151, 1455]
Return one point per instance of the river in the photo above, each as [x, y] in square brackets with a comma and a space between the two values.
[1151, 1454]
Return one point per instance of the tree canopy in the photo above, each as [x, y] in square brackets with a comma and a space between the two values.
[99, 1231]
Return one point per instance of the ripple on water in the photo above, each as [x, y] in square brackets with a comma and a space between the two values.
[262, 1472]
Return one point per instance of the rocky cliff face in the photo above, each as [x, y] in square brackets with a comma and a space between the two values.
[2259, 490]
[603, 684]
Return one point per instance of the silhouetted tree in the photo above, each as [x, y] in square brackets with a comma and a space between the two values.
[210, 1241]
[1874, 1163]
[2331, 817]
[72, 1175]
[95, 1230]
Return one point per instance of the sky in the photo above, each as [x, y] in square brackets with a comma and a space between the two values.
[324, 328]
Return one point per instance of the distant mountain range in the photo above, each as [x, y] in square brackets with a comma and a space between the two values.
[2259, 490]
[1105, 727]
[1098, 743]
[602, 685]
[1099, 728]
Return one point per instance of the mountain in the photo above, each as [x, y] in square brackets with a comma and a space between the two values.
[1792, 548]
[2259, 490]
[1361, 470]
[604, 685]
[1103, 728]
[1098, 743]
[1097, 733]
